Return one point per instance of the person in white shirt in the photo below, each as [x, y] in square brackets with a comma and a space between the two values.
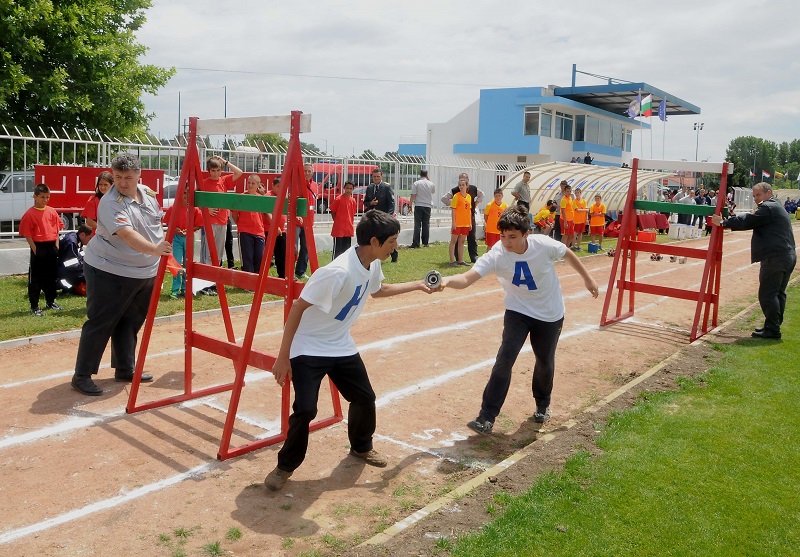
[317, 342]
[524, 263]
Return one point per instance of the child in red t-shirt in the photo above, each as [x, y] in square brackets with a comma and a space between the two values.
[40, 225]
[251, 226]
[343, 210]
[279, 251]
[104, 182]
[179, 240]
[216, 182]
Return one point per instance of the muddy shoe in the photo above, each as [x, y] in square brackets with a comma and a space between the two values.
[371, 457]
[481, 426]
[541, 415]
[276, 479]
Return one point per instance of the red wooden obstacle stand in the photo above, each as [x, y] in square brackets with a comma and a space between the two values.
[290, 201]
[623, 270]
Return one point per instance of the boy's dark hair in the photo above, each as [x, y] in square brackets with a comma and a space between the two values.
[374, 170]
[423, 173]
[552, 203]
[104, 175]
[40, 188]
[126, 161]
[497, 190]
[376, 224]
[276, 180]
[514, 218]
[84, 229]
[348, 182]
[213, 164]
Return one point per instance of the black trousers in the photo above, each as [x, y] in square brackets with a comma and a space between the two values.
[228, 244]
[544, 339]
[280, 255]
[472, 243]
[43, 273]
[422, 226]
[252, 247]
[116, 308]
[349, 375]
[341, 245]
[301, 266]
[773, 278]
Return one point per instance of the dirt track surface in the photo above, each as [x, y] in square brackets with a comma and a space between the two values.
[81, 477]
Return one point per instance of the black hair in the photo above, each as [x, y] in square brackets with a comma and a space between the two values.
[40, 188]
[514, 218]
[497, 190]
[376, 224]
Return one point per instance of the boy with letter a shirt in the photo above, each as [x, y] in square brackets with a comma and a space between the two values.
[343, 210]
[317, 342]
[40, 225]
[525, 266]
[490, 216]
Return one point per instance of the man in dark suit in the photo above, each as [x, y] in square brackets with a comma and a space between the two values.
[477, 197]
[379, 195]
[773, 245]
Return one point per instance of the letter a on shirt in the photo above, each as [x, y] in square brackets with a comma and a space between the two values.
[523, 275]
[353, 303]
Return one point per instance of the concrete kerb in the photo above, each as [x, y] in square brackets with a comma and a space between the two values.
[477, 481]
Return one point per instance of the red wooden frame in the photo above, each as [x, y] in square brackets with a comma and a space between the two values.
[292, 187]
[623, 270]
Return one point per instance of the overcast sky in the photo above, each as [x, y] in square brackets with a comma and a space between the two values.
[392, 68]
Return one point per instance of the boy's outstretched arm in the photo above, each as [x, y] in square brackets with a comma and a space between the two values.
[575, 262]
[461, 281]
[282, 368]
[401, 288]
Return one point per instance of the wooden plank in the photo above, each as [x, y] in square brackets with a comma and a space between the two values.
[675, 166]
[252, 124]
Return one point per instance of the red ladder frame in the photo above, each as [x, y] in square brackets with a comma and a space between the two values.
[623, 270]
[293, 189]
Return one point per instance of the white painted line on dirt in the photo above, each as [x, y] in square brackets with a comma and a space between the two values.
[474, 464]
[62, 427]
[15, 534]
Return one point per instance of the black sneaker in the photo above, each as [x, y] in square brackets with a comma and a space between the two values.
[481, 426]
[54, 306]
[541, 415]
[37, 312]
[85, 385]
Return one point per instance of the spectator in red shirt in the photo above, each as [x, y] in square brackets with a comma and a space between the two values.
[216, 182]
[343, 210]
[251, 229]
[104, 181]
[40, 225]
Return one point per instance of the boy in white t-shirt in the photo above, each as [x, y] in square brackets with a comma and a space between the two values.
[317, 342]
[525, 265]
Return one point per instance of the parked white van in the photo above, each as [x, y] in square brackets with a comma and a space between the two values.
[16, 194]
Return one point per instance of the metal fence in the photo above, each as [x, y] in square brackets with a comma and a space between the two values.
[21, 148]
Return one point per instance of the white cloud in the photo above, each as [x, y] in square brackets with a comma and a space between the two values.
[736, 60]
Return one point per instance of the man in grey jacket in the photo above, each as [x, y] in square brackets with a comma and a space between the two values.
[772, 245]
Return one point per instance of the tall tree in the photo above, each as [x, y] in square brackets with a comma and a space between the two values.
[75, 63]
[267, 141]
[751, 154]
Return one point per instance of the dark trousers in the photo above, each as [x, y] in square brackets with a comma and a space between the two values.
[349, 375]
[544, 339]
[472, 243]
[252, 251]
[341, 245]
[557, 228]
[43, 273]
[228, 245]
[301, 266]
[422, 226]
[773, 278]
[116, 308]
[280, 255]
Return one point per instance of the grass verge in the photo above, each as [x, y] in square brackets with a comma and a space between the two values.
[709, 470]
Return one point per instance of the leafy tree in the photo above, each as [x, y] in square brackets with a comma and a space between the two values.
[751, 154]
[267, 141]
[75, 64]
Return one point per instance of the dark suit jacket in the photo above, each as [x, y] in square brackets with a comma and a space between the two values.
[772, 230]
[383, 193]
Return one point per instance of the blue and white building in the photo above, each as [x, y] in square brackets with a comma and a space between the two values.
[534, 125]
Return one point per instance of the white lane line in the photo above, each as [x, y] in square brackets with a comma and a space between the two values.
[475, 464]
[62, 427]
[12, 535]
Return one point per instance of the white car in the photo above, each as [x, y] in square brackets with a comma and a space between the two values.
[16, 194]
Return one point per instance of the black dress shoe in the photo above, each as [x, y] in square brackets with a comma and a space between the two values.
[85, 385]
[764, 334]
[759, 329]
[126, 376]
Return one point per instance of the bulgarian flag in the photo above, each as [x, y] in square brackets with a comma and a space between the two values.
[765, 174]
[647, 106]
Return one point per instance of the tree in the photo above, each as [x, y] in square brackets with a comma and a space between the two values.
[75, 64]
[267, 141]
[751, 154]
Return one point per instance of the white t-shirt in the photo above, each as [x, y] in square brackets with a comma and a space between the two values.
[337, 293]
[529, 279]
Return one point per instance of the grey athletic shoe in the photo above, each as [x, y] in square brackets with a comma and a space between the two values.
[541, 415]
[481, 426]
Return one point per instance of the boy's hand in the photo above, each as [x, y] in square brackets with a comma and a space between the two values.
[591, 286]
[282, 369]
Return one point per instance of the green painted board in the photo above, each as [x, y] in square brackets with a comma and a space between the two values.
[245, 202]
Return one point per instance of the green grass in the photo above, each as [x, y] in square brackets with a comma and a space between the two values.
[16, 322]
[712, 469]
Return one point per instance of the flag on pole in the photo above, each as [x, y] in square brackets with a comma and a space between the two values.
[662, 110]
[647, 106]
[752, 174]
[779, 174]
[633, 108]
[765, 174]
